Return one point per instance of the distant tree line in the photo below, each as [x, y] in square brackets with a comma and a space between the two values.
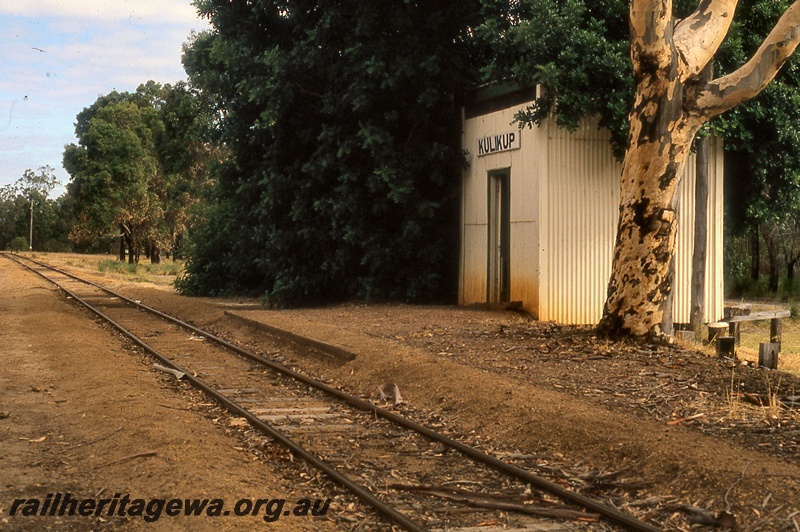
[138, 169]
[26, 198]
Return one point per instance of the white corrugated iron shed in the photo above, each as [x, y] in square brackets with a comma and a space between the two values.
[539, 216]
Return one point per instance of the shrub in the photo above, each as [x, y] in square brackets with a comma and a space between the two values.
[19, 244]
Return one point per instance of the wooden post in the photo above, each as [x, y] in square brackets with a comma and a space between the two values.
[715, 330]
[732, 312]
[726, 347]
[735, 331]
[697, 294]
[775, 331]
[768, 354]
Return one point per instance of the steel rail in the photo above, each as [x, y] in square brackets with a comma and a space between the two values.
[605, 510]
[237, 409]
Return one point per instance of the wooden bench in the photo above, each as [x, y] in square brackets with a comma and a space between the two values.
[775, 317]
[767, 351]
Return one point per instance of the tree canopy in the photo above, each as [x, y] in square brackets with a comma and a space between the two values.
[579, 50]
[137, 168]
[342, 126]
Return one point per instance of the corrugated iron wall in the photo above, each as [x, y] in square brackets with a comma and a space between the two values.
[582, 204]
[564, 209]
[579, 217]
[523, 210]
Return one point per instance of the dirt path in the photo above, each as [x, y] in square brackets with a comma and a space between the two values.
[84, 416]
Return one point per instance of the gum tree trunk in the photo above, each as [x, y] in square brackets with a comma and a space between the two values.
[640, 281]
[671, 103]
[121, 248]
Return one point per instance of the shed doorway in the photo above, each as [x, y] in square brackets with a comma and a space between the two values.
[499, 281]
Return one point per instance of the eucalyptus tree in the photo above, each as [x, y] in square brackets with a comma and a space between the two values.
[671, 104]
[113, 170]
[138, 167]
[32, 185]
[26, 213]
[636, 66]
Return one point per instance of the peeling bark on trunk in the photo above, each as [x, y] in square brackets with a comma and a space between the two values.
[640, 283]
[660, 141]
[671, 103]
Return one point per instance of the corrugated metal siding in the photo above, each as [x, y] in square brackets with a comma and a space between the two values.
[684, 241]
[523, 212]
[579, 224]
[715, 279]
[564, 210]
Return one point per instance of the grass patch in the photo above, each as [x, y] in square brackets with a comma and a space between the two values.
[140, 272]
[116, 266]
[755, 332]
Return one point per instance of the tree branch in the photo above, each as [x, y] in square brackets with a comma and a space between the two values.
[651, 34]
[698, 37]
[745, 83]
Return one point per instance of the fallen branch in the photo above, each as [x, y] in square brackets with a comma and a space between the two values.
[699, 516]
[492, 502]
[99, 438]
[755, 399]
[741, 477]
[682, 419]
[173, 407]
[517, 347]
[127, 458]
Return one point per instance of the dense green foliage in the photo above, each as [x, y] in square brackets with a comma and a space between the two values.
[577, 50]
[764, 134]
[342, 123]
[140, 161]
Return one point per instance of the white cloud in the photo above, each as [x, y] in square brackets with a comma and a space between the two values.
[135, 11]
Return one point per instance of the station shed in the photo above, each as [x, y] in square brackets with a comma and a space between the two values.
[540, 209]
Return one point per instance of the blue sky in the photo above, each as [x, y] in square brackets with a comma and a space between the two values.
[57, 57]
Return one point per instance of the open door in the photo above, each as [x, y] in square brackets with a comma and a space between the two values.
[499, 236]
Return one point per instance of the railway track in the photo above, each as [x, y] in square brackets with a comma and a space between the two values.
[389, 462]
